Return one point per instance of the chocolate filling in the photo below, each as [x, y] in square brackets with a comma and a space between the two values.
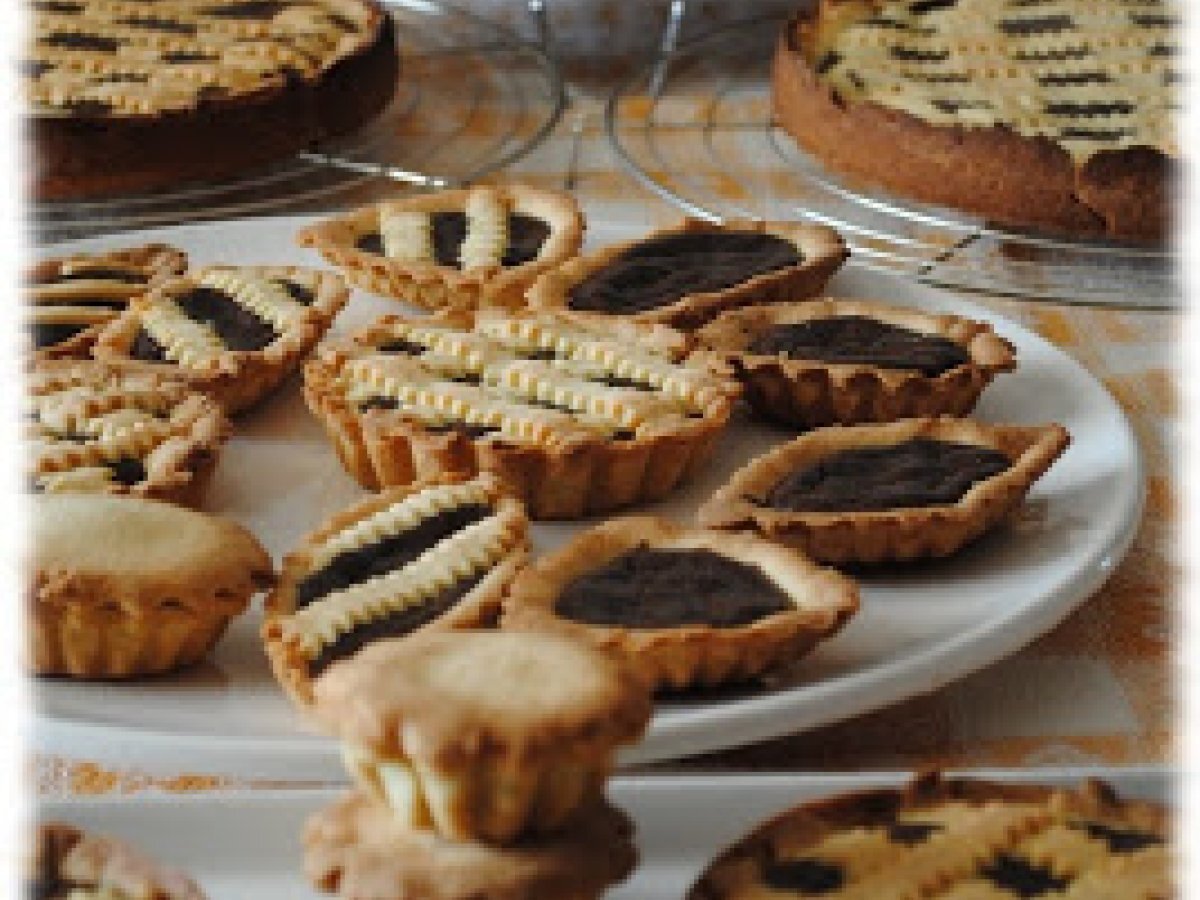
[1021, 877]
[911, 833]
[127, 470]
[47, 334]
[648, 587]
[525, 238]
[659, 271]
[806, 877]
[858, 339]
[146, 348]
[237, 327]
[918, 472]
[69, 40]
[246, 10]
[100, 272]
[297, 292]
[1121, 840]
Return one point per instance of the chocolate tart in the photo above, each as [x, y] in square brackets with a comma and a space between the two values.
[826, 362]
[682, 607]
[428, 556]
[895, 491]
[954, 837]
[233, 332]
[478, 247]
[685, 275]
[482, 735]
[577, 419]
[93, 429]
[69, 299]
[123, 98]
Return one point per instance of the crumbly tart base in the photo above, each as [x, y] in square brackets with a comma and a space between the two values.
[810, 394]
[690, 655]
[821, 249]
[955, 838]
[356, 850]
[889, 535]
[432, 286]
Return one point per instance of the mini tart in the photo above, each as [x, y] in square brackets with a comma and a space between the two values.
[94, 429]
[578, 419]
[121, 587]
[483, 246]
[897, 491]
[686, 275]
[482, 735]
[65, 863]
[682, 607]
[954, 838]
[432, 555]
[357, 850]
[233, 332]
[828, 362]
[70, 298]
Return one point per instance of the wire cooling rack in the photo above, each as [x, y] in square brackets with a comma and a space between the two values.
[695, 127]
[472, 97]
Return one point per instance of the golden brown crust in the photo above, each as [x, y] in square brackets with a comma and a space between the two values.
[810, 393]
[900, 534]
[688, 655]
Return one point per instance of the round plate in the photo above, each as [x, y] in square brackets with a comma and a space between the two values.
[920, 625]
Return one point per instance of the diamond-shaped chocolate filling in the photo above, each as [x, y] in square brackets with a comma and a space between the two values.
[805, 877]
[1021, 877]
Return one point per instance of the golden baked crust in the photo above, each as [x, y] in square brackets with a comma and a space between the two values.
[488, 549]
[407, 268]
[956, 838]
[192, 350]
[482, 735]
[821, 252]
[577, 419]
[811, 393]
[121, 587]
[894, 534]
[693, 654]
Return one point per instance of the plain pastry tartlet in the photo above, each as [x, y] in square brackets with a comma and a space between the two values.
[468, 248]
[680, 606]
[826, 362]
[685, 275]
[954, 838]
[577, 419]
[70, 298]
[90, 428]
[434, 554]
[233, 332]
[897, 491]
[121, 587]
[482, 735]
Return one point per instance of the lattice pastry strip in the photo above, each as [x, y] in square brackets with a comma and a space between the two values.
[185, 341]
[487, 230]
[263, 297]
[406, 234]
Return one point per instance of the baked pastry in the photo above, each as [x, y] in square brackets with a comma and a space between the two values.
[120, 98]
[233, 332]
[482, 735]
[685, 275]
[483, 246]
[121, 587]
[90, 428]
[578, 419]
[826, 362]
[431, 555]
[358, 850]
[682, 607]
[66, 863]
[70, 298]
[1053, 117]
[896, 491]
[954, 838]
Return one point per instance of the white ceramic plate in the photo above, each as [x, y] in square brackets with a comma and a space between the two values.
[247, 844]
[920, 626]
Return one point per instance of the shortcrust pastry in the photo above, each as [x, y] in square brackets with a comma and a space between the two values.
[681, 606]
[954, 838]
[827, 362]
[121, 587]
[896, 491]
[685, 275]
[94, 429]
[482, 735]
[577, 418]
[483, 246]
[233, 332]
[432, 555]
